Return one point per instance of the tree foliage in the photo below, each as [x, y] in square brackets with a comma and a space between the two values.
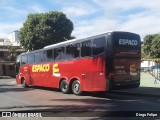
[12, 53]
[43, 29]
[151, 46]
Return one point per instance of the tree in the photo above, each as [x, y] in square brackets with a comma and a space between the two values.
[43, 29]
[151, 46]
[12, 53]
[155, 48]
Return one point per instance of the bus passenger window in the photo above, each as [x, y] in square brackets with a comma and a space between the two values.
[48, 55]
[72, 51]
[77, 50]
[86, 48]
[38, 57]
[59, 53]
[31, 58]
[24, 59]
[98, 46]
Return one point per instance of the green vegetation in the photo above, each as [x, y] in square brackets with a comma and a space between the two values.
[151, 46]
[12, 53]
[43, 29]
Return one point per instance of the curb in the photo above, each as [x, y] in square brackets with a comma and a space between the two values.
[137, 94]
[5, 77]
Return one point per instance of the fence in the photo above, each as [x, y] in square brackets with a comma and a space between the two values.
[155, 68]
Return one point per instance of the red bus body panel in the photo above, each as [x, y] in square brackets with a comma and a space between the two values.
[89, 71]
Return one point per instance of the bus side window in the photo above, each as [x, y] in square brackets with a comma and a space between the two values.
[38, 57]
[24, 59]
[72, 51]
[99, 45]
[77, 50]
[31, 58]
[86, 48]
[59, 53]
[48, 55]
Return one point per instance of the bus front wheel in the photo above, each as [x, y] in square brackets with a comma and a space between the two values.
[76, 88]
[64, 86]
[24, 83]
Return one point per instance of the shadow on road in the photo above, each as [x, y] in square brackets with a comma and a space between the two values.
[152, 92]
[6, 85]
[12, 88]
[89, 105]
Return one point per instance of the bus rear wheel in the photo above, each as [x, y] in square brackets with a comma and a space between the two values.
[64, 86]
[24, 83]
[76, 89]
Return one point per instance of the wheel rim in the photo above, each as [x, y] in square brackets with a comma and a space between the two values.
[64, 86]
[76, 87]
[23, 83]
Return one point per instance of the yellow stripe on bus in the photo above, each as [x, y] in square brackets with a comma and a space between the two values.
[56, 70]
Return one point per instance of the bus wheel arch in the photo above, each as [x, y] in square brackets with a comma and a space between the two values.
[64, 85]
[23, 82]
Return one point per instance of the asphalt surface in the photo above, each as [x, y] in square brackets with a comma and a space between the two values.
[13, 97]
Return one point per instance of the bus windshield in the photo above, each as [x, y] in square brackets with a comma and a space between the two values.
[126, 44]
[17, 65]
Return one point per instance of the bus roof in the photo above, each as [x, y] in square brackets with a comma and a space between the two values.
[75, 40]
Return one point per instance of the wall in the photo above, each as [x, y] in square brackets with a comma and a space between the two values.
[10, 70]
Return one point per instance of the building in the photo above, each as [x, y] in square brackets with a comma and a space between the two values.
[13, 37]
[7, 66]
[4, 41]
[146, 65]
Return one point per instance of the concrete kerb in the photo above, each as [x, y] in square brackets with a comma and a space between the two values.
[5, 77]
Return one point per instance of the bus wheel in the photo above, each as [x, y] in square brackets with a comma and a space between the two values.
[76, 88]
[64, 86]
[24, 83]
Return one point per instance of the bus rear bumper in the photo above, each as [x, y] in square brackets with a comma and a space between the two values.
[126, 84]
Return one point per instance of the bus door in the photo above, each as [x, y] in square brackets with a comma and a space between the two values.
[37, 69]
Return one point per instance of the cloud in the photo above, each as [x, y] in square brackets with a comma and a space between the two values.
[37, 8]
[142, 25]
[12, 11]
[96, 26]
[78, 11]
[136, 16]
[15, 16]
[90, 17]
[8, 27]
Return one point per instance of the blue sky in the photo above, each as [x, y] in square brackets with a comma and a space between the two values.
[89, 17]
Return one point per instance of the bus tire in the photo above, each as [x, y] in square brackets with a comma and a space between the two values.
[64, 86]
[76, 88]
[24, 83]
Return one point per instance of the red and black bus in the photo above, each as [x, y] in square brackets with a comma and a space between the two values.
[98, 63]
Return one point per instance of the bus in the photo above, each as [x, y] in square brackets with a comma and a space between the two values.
[98, 63]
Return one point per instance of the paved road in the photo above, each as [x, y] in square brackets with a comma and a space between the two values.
[13, 97]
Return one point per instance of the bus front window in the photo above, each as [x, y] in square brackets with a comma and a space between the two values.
[17, 65]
